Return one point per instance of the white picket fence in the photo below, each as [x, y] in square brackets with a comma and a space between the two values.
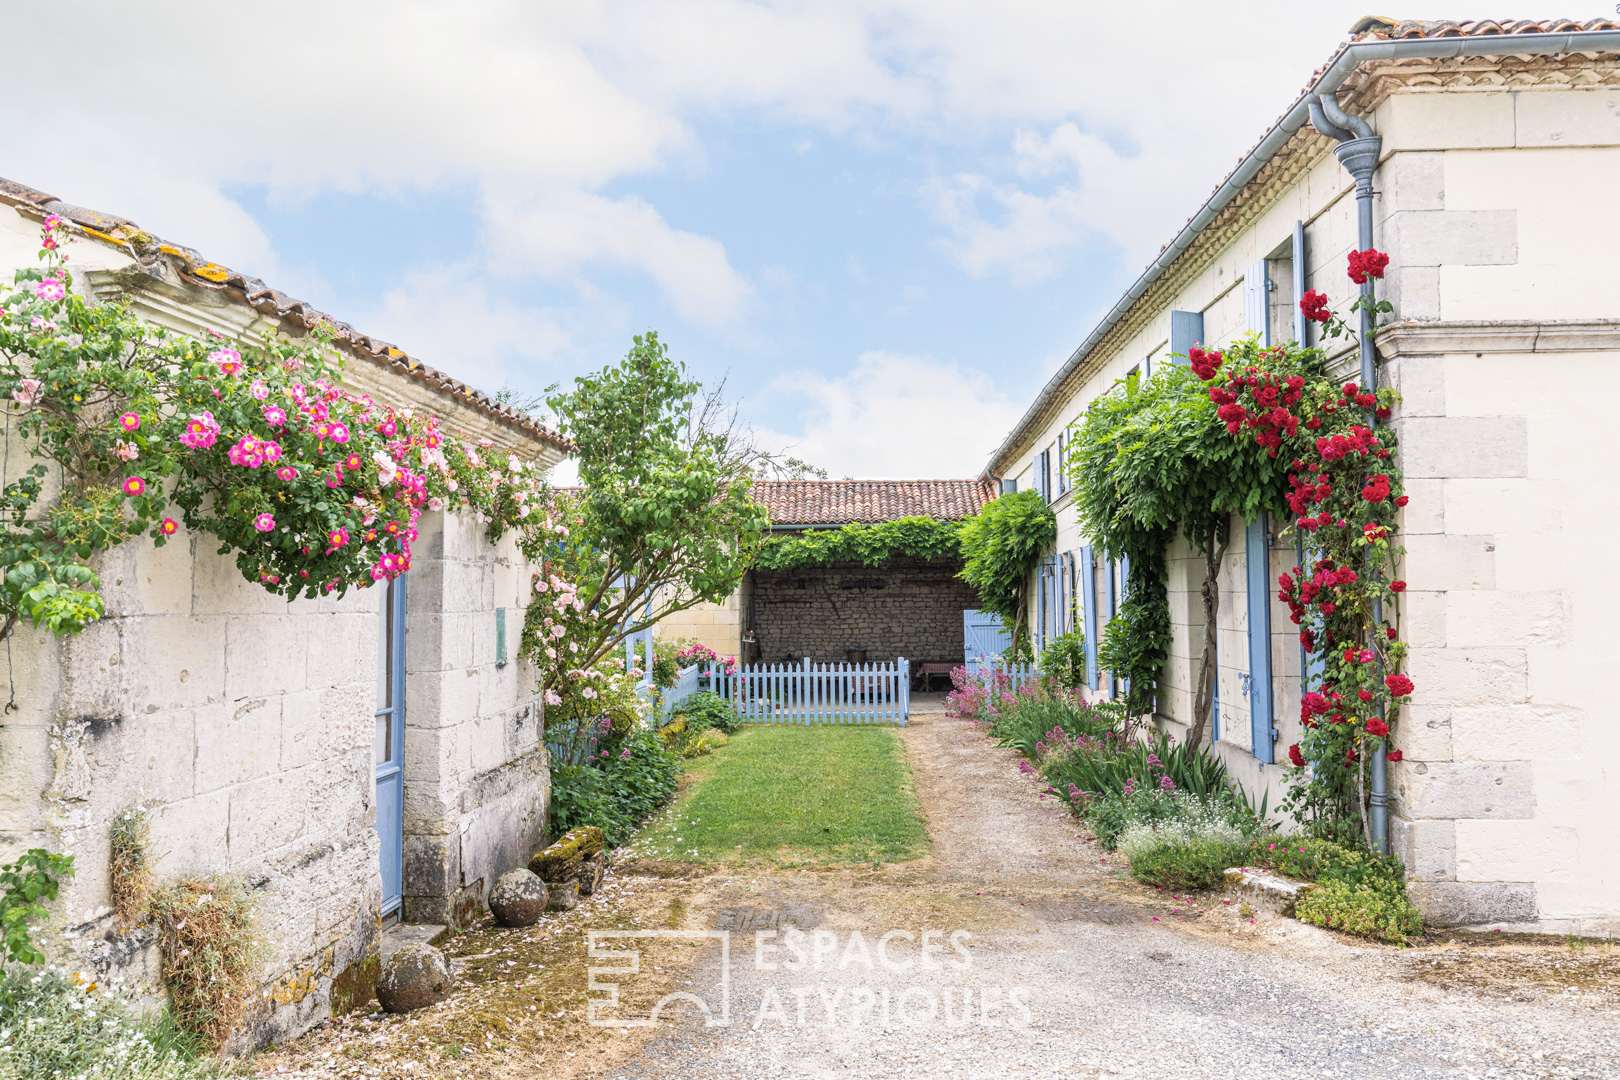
[812, 693]
[1019, 673]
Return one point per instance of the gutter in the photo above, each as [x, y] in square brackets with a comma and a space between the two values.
[1350, 57]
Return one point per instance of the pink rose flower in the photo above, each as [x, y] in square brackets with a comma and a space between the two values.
[27, 392]
[228, 359]
[51, 288]
[264, 523]
[201, 431]
[274, 415]
[130, 422]
[134, 486]
[259, 390]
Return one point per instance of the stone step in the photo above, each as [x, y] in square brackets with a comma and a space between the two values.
[1265, 891]
[401, 934]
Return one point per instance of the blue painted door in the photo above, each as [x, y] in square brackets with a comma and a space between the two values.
[1257, 557]
[388, 744]
[983, 638]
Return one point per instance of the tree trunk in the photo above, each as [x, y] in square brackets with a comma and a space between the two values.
[1214, 554]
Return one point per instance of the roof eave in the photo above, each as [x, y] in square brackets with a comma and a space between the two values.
[1350, 57]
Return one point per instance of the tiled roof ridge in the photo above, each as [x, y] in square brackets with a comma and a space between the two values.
[845, 502]
[262, 298]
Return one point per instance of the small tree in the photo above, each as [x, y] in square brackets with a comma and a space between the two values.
[1000, 547]
[1151, 459]
[663, 519]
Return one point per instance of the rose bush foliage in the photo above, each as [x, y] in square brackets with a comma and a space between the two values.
[314, 489]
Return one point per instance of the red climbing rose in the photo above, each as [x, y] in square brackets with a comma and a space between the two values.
[1295, 756]
[1377, 727]
[1314, 305]
[1367, 264]
[1394, 755]
[1398, 684]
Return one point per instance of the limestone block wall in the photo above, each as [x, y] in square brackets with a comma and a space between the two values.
[244, 723]
[719, 626]
[477, 778]
[906, 607]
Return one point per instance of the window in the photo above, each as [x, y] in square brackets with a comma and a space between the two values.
[1008, 485]
[1186, 330]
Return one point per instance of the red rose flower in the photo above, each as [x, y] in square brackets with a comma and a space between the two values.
[1377, 727]
[1398, 684]
[1397, 586]
[1365, 695]
[1295, 756]
[1367, 264]
[1394, 755]
[1314, 305]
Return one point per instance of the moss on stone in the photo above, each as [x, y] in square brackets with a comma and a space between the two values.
[561, 861]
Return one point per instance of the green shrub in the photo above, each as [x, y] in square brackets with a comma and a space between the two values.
[1063, 662]
[1103, 766]
[1357, 891]
[1377, 908]
[24, 887]
[1038, 720]
[708, 710]
[51, 1024]
[1195, 864]
[617, 789]
[1189, 847]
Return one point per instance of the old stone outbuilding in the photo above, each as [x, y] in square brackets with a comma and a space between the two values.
[910, 607]
[356, 761]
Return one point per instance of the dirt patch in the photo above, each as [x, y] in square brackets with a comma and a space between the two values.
[1584, 974]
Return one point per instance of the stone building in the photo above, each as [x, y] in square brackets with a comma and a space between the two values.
[267, 737]
[904, 607]
[1493, 196]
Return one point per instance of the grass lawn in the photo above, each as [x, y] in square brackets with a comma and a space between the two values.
[794, 794]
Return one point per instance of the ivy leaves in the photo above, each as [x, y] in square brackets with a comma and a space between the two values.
[1000, 548]
[917, 537]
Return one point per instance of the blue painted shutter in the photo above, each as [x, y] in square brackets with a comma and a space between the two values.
[1186, 330]
[1147, 367]
[1311, 667]
[1298, 256]
[1258, 565]
[1215, 696]
[1113, 609]
[1062, 475]
[1256, 301]
[1124, 576]
[1088, 601]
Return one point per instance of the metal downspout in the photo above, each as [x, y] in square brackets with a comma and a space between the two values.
[1358, 151]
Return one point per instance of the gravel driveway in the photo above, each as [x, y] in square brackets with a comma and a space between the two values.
[1068, 968]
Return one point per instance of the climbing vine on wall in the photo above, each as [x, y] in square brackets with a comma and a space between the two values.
[910, 537]
[314, 489]
[1298, 445]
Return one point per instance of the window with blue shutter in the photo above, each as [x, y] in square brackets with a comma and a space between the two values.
[1257, 563]
[1257, 301]
[1088, 604]
[1186, 330]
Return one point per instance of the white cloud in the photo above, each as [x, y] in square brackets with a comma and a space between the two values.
[893, 417]
[560, 232]
[455, 319]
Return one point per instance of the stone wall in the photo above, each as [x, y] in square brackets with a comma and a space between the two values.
[245, 723]
[477, 779]
[905, 607]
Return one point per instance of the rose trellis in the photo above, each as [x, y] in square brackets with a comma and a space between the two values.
[1344, 488]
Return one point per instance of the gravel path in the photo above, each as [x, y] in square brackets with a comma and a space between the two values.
[1070, 969]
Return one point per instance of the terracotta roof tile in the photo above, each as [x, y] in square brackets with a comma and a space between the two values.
[844, 502]
[250, 291]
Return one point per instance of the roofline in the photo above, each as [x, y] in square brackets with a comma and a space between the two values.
[258, 297]
[1350, 57]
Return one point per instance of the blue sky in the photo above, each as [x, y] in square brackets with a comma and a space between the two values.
[883, 224]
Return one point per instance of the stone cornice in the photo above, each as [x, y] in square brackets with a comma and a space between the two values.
[1512, 336]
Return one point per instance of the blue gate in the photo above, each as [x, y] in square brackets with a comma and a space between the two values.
[388, 744]
[983, 638]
